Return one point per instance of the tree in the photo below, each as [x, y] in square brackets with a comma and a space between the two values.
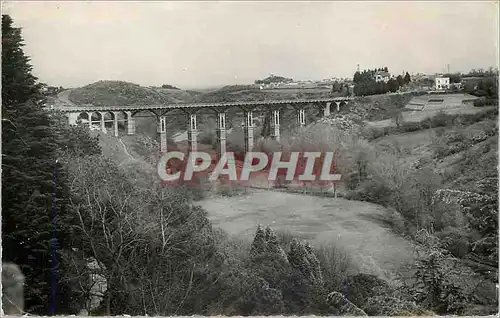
[155, 248]
[356, 78]
[407, 78]
[400, 80]
[30, 170]
[168, 86]
[392, 85]
[35, 146]
[18, 84]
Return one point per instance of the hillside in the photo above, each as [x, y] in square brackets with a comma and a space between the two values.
[110, 93]
[463, 155]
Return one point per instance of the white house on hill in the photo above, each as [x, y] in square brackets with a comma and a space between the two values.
[442, 83]
[381, 76]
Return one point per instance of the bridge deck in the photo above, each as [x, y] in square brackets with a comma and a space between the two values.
[87, 107]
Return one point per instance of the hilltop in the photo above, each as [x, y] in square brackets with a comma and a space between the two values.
[274, 79]
[109, 93]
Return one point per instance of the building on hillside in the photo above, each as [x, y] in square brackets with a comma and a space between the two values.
[442, 83]
[458, 86]
[382, 76]
[471, 82]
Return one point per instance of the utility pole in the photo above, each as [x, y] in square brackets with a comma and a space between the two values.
[448, 66]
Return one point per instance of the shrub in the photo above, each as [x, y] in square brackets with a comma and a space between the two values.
[486, 101]
[397, 221]
[372, 133]
[455, 240]
[376, 191]
[390, 306]
[455, 136]
[410, 126]
[441, 282]
[335, 265]
[361, 287]
[441, 119]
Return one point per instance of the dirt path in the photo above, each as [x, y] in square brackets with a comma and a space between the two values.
[125, 150]
[355, 226]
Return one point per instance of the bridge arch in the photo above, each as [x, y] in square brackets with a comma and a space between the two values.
[121, 120]
[109, 118]
[95, 118]
[83, 118]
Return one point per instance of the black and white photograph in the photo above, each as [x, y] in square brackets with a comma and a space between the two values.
[250, 158]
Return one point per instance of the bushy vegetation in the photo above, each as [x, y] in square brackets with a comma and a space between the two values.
[168, 86]
[366, 84]
[463, 225]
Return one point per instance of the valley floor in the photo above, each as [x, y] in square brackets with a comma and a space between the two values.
[356, 227]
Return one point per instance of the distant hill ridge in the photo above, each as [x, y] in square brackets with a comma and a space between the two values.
[112, 93]
[274, 79]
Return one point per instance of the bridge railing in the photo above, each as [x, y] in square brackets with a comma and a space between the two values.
[89, 107]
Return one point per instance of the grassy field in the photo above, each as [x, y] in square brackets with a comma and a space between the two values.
[357, 227]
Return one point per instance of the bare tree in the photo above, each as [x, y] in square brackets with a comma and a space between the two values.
[147, 241]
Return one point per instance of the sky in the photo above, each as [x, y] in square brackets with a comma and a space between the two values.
[208, 44]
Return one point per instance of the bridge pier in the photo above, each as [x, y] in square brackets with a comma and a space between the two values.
[338, 106]
[130, 123]
[115, 123]
[73, 118]
[192, 133]
[275, 125]
[103, 125]
[161, 128]
[248, 130]
[221, 134]
[301, 117]
[89, 115]
[326, 110]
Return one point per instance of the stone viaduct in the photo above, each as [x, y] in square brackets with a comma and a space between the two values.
[125, 114]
